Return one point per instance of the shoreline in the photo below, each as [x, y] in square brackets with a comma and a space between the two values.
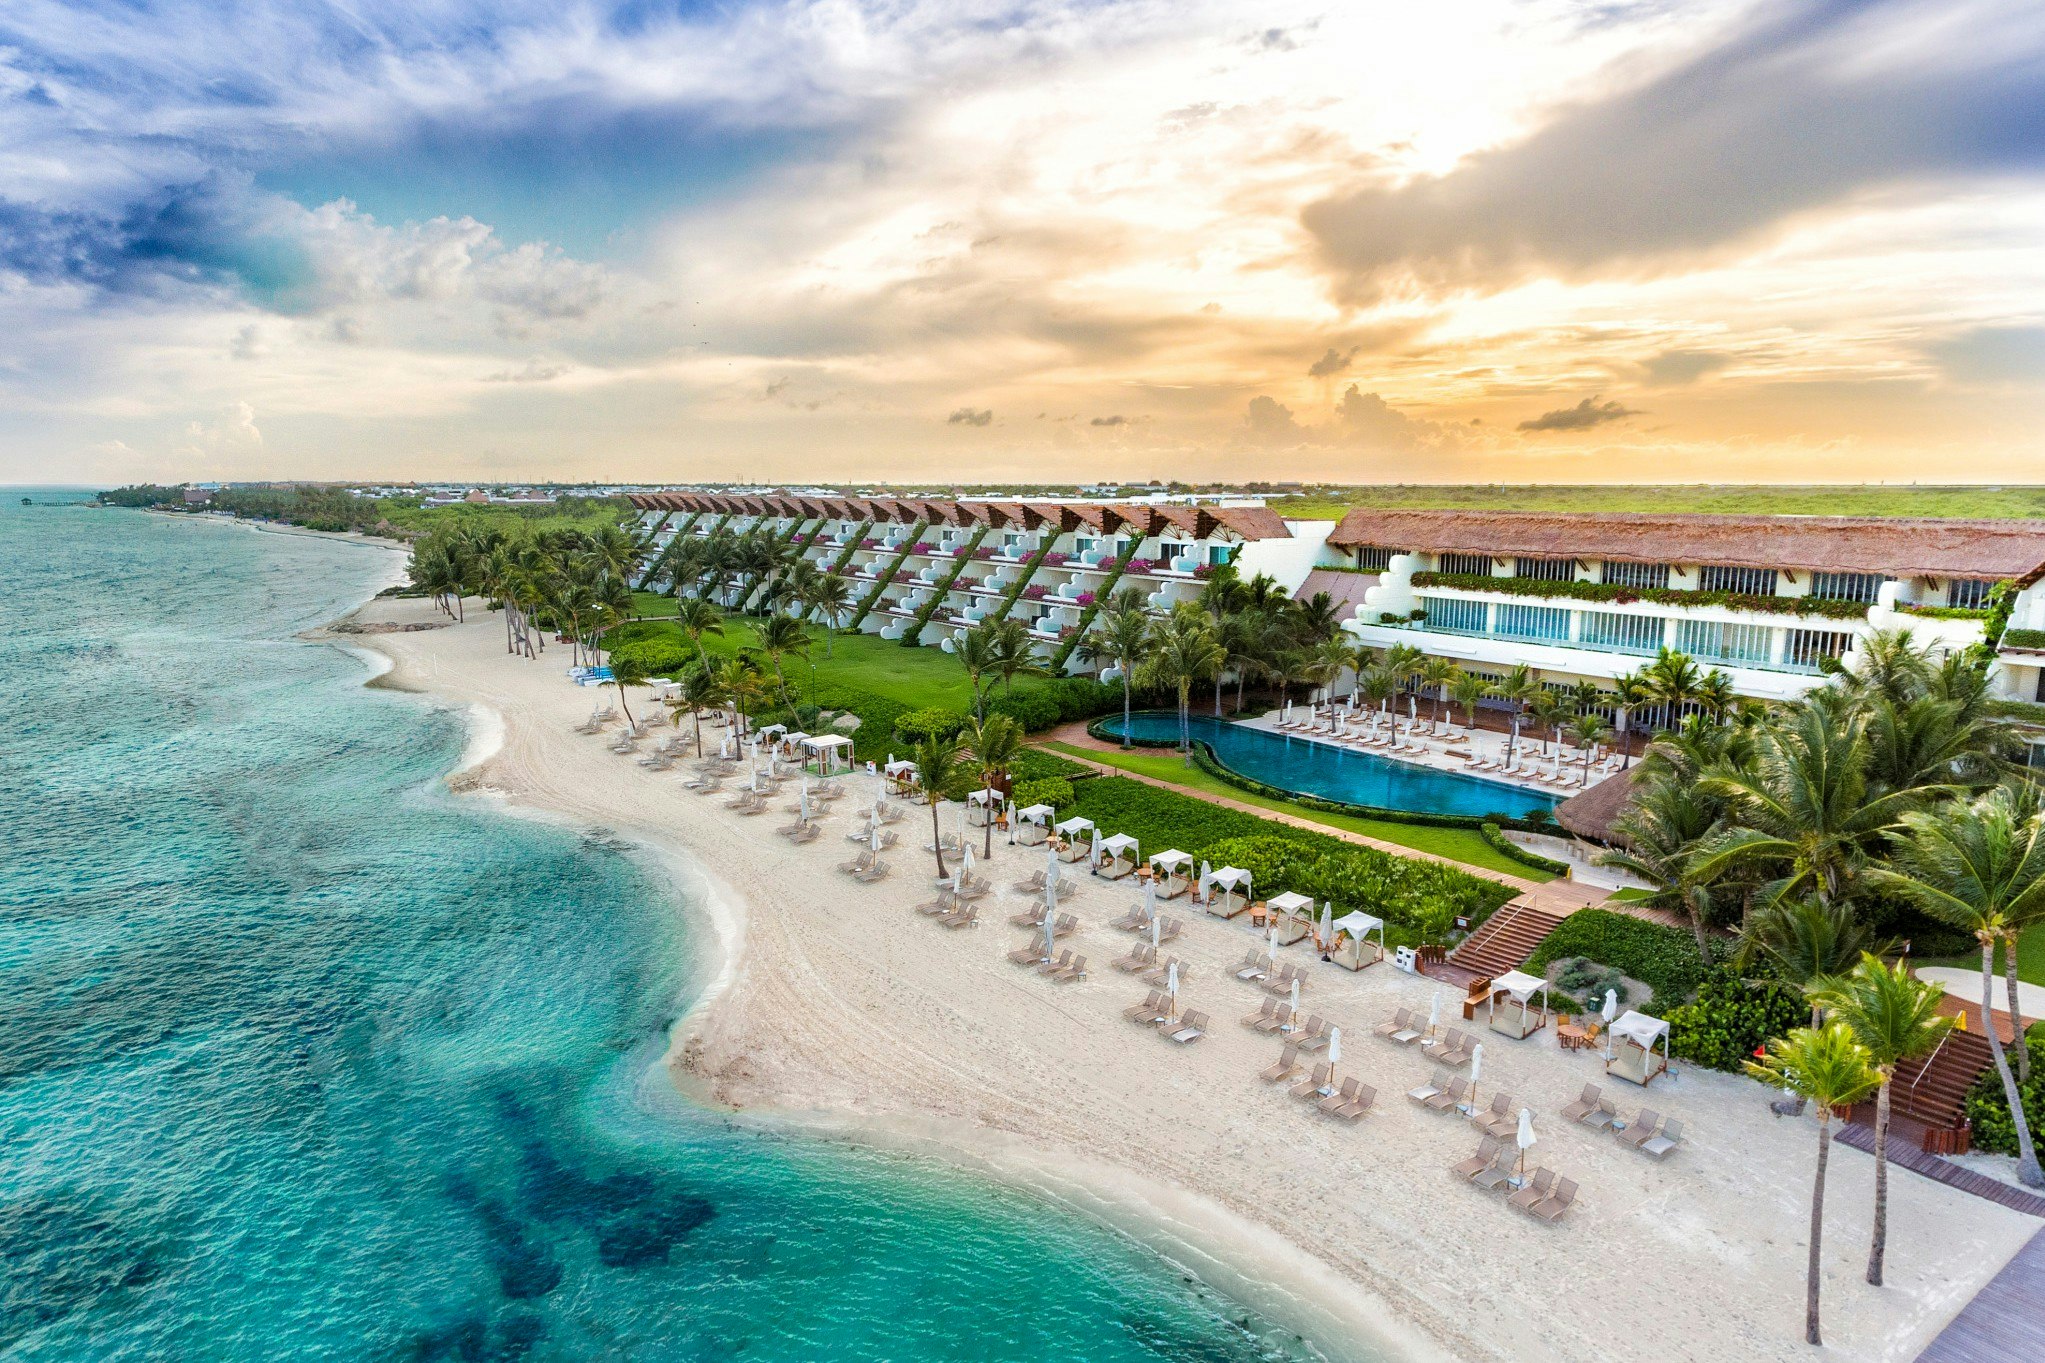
[834, 1013]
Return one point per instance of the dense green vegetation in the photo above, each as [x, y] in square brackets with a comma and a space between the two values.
[320, 507]
[1662, 958]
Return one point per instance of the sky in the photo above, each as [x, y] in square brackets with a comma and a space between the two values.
[1031, 240]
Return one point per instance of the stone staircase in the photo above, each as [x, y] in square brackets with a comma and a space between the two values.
[1507, 938]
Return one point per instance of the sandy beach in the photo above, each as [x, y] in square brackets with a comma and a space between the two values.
[839, 1009]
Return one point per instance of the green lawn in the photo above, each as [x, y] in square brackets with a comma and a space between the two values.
[1458, 844]
[2030, 961]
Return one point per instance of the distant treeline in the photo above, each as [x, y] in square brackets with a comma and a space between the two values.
[337, 509]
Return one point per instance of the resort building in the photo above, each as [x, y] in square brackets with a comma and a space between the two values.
[1766, 599]
[1579, 597]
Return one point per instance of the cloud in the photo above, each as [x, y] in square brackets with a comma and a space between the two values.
[1116, 420]
[1368, 419]
[248, 343]
[2002, 354]
[966, 416]
[1270, 422]
[234, 431]
[1359, 421]
[1806, 107]
[1582, 417]
[1332, 363]
[533, 372]
[1673, 367]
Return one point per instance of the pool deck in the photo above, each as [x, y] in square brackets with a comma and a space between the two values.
[1451, 753]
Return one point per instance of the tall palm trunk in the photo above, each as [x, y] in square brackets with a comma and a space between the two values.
[2027, 1154]
[696, 716]
[936, 839]
[1125, 702]
[1879, 1245]
[1811, 1274]
[2009, 968]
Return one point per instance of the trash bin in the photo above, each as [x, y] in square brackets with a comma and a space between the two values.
[1406, 959]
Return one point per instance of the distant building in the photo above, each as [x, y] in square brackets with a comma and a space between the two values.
[198, 496]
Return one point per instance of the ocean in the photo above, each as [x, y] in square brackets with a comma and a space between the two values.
[302, 1057]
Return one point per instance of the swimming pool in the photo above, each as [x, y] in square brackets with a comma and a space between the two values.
[1359, 778]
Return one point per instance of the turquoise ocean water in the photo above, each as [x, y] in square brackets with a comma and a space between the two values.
[301, 1058]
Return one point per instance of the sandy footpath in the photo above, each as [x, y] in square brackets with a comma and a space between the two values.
[839, 1009]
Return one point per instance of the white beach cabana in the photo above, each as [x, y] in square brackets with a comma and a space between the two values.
[1172, 871]
[831, 753]
[1228, 891]
[1353, 948]
[771, 733]
[1033, 824]
[1072, 831]
[901, 774]
[1116, 856]
[1518, 989]
[984, 806]
[1292, 916]
[1633, 1036]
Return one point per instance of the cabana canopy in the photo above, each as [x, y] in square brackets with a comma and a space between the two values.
[1116, 845]
[901, 766]
[773, 729]
[1231, 877]
[1075, 826]
[1289, 902]
[825, 742]
[987, 795]
[1359, 924]
[1035, 814]
[797, 737]
[1639, 1028]
[1170, 859]
[1519, 984]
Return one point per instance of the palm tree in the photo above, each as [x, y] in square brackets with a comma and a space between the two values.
[1378, 686]
[1888, 664]
[698, 689]
[1629, 692]
[1829, 1069]
[940, 766]
[781, 635]
[1673, 681]
[1805, 942]
[994, 743]
[697, 618]
[739, 681]
[1585, 732]
[1120, 635]
[1466, 692]
[830, 597]
[975, 652]
[1517, 687]
[1659, 832]
[1437, 674]
[1549, 710]
[1895, 1016]
[1978, 865]
[1181, 653]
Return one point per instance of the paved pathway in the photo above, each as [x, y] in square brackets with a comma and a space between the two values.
[2004, 1321]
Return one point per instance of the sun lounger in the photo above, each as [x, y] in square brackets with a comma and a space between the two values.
[1448, 1099]
[1028, 918]
[1586, 1103]
[877, 871]
[1432, 1088]
[1053, 967]
[1074, 971]
[1398, 1022]
[1151, 1009]
[1191, 1027]
[1280, 1016]
[1455, 1050]
[944, 903]
[1168, 929]
[1641, 1129]
[1254, 965]
[1487, 1151]
[1354, 1110]
[1031, 952]
[1314, 1082]
[1552, 1207]
[1162, 971]
[1281, 983]
[1660, 1145]
[1033, 883]
[1285, 1067]
[1335, 1101]
[968, 916]
[1263, 1014]
[1537, 1190]
[1132, 921]
[1315, 1037]
[1501, 1119]
[1499, 1173]
[1140, 958]
[859, 863]
[805, 834]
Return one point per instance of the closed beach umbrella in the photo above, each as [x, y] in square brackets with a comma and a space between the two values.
[1155, 925]
[802, 804]
[1476, 1064]
[1434, 1012]
[1327, 924]
[1525, 1137]
[1334, 1045]
[1050, 869]
[874, 840]
[1295, 993]
[1608, 1012]
[1271, 942]
[1172, 984]
[1206, 878]
[1150, 900]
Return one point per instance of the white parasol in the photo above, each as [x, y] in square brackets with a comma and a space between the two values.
[1608, 1012]
[1327, 924]
[1155, 925]
[1334, 1045]
[1434, 1012]
[1525, 1138]
[1206, 881]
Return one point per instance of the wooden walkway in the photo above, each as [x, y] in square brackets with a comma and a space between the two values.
[2003, 1322]
[1942, 1170]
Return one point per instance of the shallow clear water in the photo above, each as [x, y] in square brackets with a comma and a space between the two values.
[1337, 773]
[305, 1059]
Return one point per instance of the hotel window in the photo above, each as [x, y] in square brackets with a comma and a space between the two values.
[1454, 615]
[1545, 569]
[1168, 552]
[1739, 581]
[1466, 563]
[1532, 622]
[1969, 593]
[1708, 640]
[1218, 554]
[1809, 647]
[1375, 558]
[1623, 633]
[1636, 575]
[1846, 586]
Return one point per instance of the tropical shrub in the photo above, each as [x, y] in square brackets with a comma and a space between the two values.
[1494, 838]
[917, 725]
[1731, 1019]
[1588, 980]
[1032, 709]
[1055, 791]
[1033, 764]
[1663, 959]
[655, 657]
[1988, 1108]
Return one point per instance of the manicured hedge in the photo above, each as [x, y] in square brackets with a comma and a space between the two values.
[1494, 837]
[936, 720]
[1055, 791]
[2024, 638]
[1730, 1019]
[1664, 959]
[1418, 894]
[1034, 764]
[1988, 1106]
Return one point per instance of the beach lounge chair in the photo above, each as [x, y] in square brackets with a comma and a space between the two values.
[1335, 1101]
[1501, 1119]
[1263, 1014]
[1162, 971]
[1432, 1088]
[1416, 1028]
[966, 916]
[1315, 1037]
[1586, 1103]
[1354, 1110]
[1398, 1022]
[1140, 958]
[1168, 929]
[1281, 982]
[1449, 1098]
[1255, 965]
[944, 903]
[1053, 967]
[1280, 1016]
[1151, 1009]
[1065, 925]
[1487, 1150]
[1285, 1067]
[1315, 1082]
[1499, 1173]
[859, 863]
[1537, 1190]
[1670, 1137]
[1551, 1207]
[1132, 921]
[1455, 1049]
[805, 833]
[1032, 917]
[1641, 1129]
[1075, 971]
[877, 871]
[1191, 1027]
[1033, 883]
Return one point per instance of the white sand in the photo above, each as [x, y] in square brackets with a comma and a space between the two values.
[842, 1011]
